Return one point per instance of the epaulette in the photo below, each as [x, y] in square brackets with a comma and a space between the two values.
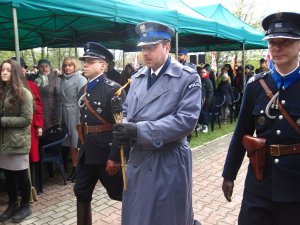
[257, 77]
[109, 82]
[189, 69]
[141, 71]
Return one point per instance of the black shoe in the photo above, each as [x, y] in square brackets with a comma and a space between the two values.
[21, 213]
[196, 222]
[73, 175]
[9, 212]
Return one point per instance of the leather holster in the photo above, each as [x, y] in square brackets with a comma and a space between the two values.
[256, 151]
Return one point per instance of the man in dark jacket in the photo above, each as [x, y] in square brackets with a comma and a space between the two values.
[207, 94]
[263, 67]
[98, 156]
[271, 194]
[183, 56]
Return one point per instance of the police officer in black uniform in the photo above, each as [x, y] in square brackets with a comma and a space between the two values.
[182, 57]
[98, 156]
[274, 200]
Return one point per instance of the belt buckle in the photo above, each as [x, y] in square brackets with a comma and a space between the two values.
[275, 150]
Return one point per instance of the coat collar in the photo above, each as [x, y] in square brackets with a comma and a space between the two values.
[173, 70]
[158, 88]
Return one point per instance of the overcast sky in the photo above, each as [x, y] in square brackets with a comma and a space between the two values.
[262, 7]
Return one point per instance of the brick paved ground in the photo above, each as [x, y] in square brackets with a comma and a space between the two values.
[58, 205]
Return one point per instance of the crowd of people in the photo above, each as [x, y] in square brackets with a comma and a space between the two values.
[227, 82]
[101, 118]
[31, 103]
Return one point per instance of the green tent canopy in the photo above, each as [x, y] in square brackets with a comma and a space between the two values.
[64, 23]
[220, 14]
[228, 35]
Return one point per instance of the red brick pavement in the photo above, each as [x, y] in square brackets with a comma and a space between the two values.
[57, 206]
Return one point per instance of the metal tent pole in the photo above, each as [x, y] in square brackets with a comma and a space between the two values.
[243, 65]
[17, 46]
[123, 59]
[176, 45]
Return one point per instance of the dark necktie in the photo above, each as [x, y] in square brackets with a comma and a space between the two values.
[152, 79]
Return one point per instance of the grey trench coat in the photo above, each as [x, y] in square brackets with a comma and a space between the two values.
[159, 169]
[70, 87]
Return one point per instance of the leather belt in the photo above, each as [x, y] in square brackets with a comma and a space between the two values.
[98, 128]
[278, 150]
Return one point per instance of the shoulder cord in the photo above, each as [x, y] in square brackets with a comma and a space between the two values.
[280, 107]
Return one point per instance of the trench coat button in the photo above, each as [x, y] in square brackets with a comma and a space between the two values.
[135, 165]
[280, 117]
[150, 168]
[157, 142]
[261, 111]
[282, 102]
[278, 132]
[276, 161]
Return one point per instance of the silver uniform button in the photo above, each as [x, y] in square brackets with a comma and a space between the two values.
[278, 132]
[276, 160]
[282, 102]
[261, 111]
[280, 117]
[85, 116]
[88, 94]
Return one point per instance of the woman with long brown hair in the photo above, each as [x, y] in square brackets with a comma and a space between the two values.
[16, 109]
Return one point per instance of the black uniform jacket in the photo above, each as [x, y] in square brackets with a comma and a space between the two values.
[98, 147]
[282, 174]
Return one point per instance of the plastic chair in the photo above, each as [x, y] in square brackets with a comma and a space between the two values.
[217, 103]
[235, 106]
[50, 149]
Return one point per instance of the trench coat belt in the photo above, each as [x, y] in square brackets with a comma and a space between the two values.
[278, 150]
[97, 128]
[165, 146]
[68, 104]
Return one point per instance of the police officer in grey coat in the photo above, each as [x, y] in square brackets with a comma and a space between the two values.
[182, 57]
[161, 108]
[274, 198]
[99, 158]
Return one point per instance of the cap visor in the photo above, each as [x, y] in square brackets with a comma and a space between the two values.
[148, 43]
[280, 36]
[89, 57]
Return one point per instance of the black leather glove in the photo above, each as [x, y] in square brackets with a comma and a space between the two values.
[123, 132]
[227, 188]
